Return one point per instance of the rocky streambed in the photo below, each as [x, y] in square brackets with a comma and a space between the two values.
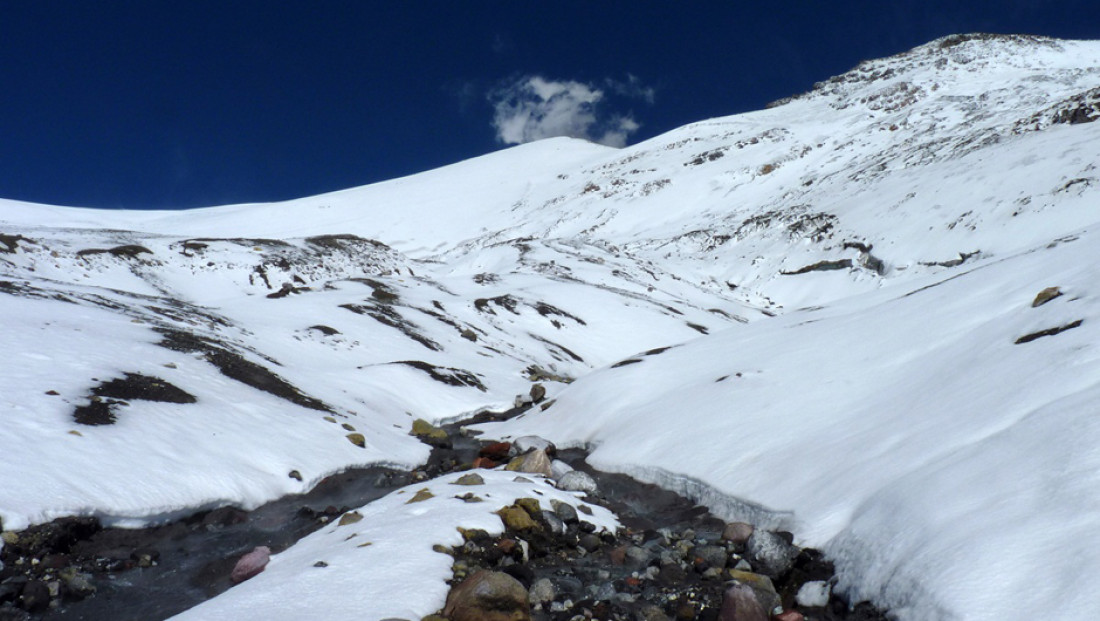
[671, 560]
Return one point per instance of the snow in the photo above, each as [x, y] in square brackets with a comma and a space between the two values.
[383, 566]
[883, 410]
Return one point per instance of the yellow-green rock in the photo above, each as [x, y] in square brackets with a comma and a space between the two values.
[350, 517]
[530, 505]
[420, 496]
[423, 429]
[357, 439]
[517, 519]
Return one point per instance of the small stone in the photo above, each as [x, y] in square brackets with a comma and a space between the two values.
[294, 474]
[789, 615]
[590, 542]
[553, 522]
[814, 594]
[577, 481]
[357, 439]
[52, 393]
[737, 533]
[1045, 296]
[542, 591]
[530, 505]
[423, 429]
[35, 597]
[713, 556]
[488, 596]
[350, 518]
[251, 564]
[472, 478]
[347, 427]
[469, 497]
[420, 496]
[320, 564]
[517, 519]
[534, 462]
[565, 511]
[538, 393]
[650, 612]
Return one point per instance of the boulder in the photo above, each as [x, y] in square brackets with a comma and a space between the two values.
[739, 604]
[771, 554]
[250, 564]
[497, 451]
[577, 481]
[472, 478]
[534, 462]
[488, 596]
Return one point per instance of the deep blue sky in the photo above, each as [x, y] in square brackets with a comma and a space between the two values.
[151, 104]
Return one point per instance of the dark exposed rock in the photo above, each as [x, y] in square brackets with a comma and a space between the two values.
[129, 251]
[1027, 338]
[446, 375]
[234, 366]
[770, 553]
[821, 266]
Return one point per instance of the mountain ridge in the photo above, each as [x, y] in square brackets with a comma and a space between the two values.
[844, 274]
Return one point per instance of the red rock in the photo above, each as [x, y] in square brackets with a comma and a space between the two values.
[789, 615]
[497, 451]
[485, 462]
[506, 545]
[251, 564]
[632, 581]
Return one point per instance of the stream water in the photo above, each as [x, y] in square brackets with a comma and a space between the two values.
[155, 573]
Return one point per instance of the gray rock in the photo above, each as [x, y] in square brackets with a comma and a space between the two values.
[565, 511]
[553, 522]
[577, 481]
[770, 553]
[604, 592]
[713, 556]
[558, 468]
[638, 555]
[542, 591]
[762, 588]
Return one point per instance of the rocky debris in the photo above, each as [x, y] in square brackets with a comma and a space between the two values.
[488, 596]
[251, 564]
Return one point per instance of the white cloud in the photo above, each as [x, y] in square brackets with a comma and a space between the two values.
[534, 108]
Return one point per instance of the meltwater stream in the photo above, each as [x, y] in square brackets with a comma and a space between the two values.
[195, 556]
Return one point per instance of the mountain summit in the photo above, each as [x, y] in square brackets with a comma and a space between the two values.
[870, 313]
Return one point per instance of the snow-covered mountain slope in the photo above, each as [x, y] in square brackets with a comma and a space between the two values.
[842, 279]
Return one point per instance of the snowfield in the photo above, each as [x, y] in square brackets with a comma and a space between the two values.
[821, 316]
